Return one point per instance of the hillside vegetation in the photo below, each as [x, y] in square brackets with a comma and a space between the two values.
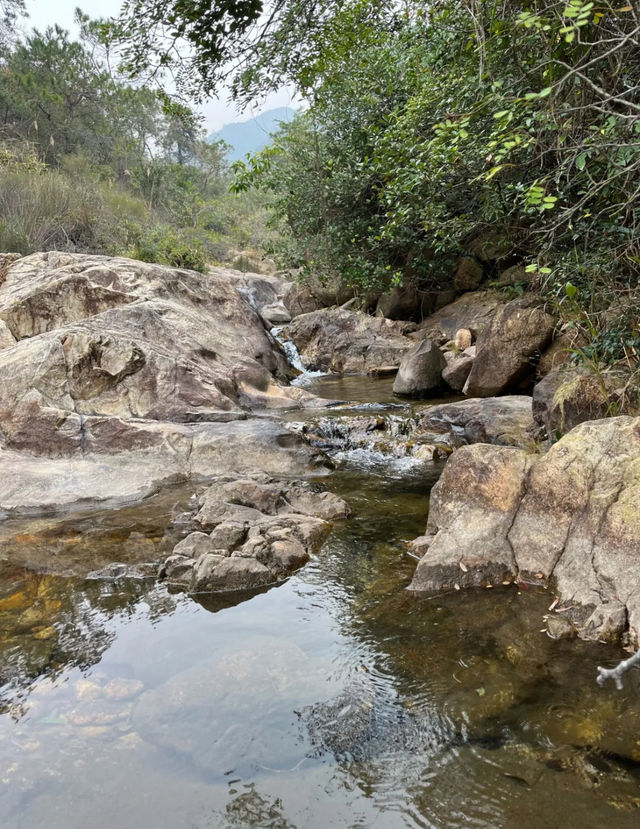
[90, 162]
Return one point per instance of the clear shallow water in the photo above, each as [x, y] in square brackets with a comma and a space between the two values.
[335, 699]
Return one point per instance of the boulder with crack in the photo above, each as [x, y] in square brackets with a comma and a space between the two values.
[118, 376]
[348, 342]
[569, 519]
[248, 533]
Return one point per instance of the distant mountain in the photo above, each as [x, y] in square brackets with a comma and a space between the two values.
[252, 135]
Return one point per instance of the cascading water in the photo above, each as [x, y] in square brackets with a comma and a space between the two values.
[293, 356]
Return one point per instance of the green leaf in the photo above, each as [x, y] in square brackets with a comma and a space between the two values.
[570, 290]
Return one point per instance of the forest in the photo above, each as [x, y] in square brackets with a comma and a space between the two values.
[506, 133]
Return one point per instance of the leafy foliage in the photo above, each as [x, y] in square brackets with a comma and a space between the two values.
[453, 120]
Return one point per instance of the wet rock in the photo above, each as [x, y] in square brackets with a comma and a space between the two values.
[123, 688]
[508, 349]
[344, 341]
[215, 709]
[267, 529]
[568, 518]
[470, 515]
[559, 627]
[214, 573]
[177, 569]
[420, 370]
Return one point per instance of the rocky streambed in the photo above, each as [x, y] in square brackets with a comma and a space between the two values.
[203, 569]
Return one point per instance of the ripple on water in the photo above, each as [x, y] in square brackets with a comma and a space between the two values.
[336, 699]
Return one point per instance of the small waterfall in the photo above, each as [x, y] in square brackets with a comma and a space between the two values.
[293, 356]
[389, 444]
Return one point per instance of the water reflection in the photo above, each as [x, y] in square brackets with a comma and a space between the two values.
[335, 699]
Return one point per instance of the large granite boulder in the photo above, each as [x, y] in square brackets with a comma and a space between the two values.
[458, 367]
[473, 311]
[122, 375]
[507, 349]
[348, 342]
[568, 519]
[420, 372]
[567, 396]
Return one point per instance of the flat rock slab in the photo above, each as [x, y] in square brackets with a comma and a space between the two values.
[506, 421]
[160, 454]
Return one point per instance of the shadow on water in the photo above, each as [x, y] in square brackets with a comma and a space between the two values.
[337, 698]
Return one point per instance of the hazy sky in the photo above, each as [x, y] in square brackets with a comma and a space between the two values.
[44, 13]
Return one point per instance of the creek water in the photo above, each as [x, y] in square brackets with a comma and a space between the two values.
[337, 698]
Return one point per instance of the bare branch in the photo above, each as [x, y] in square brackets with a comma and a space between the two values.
[616, 673]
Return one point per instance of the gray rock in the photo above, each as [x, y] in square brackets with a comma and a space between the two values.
[509, 348]
[123, 376]
[470, 515]
[194, 545]
[273, 524]
[275, 314]
[569, 396]
[177, 568]
[473, 311]
[218, 574]
[420, 370]
[343, 341]
[505, 421]
[229, 535]
[457, 368]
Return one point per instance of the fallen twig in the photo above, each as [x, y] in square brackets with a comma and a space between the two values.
[616, 673]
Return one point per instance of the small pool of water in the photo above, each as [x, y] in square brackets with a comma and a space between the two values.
[357, 388]
[335, 699]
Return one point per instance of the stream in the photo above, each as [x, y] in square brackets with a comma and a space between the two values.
[336, 698]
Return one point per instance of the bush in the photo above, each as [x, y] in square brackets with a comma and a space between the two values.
[163, 245]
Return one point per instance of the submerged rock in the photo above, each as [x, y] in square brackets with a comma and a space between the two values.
[569, 518]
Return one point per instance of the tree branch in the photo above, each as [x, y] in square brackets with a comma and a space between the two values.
[616, 673]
